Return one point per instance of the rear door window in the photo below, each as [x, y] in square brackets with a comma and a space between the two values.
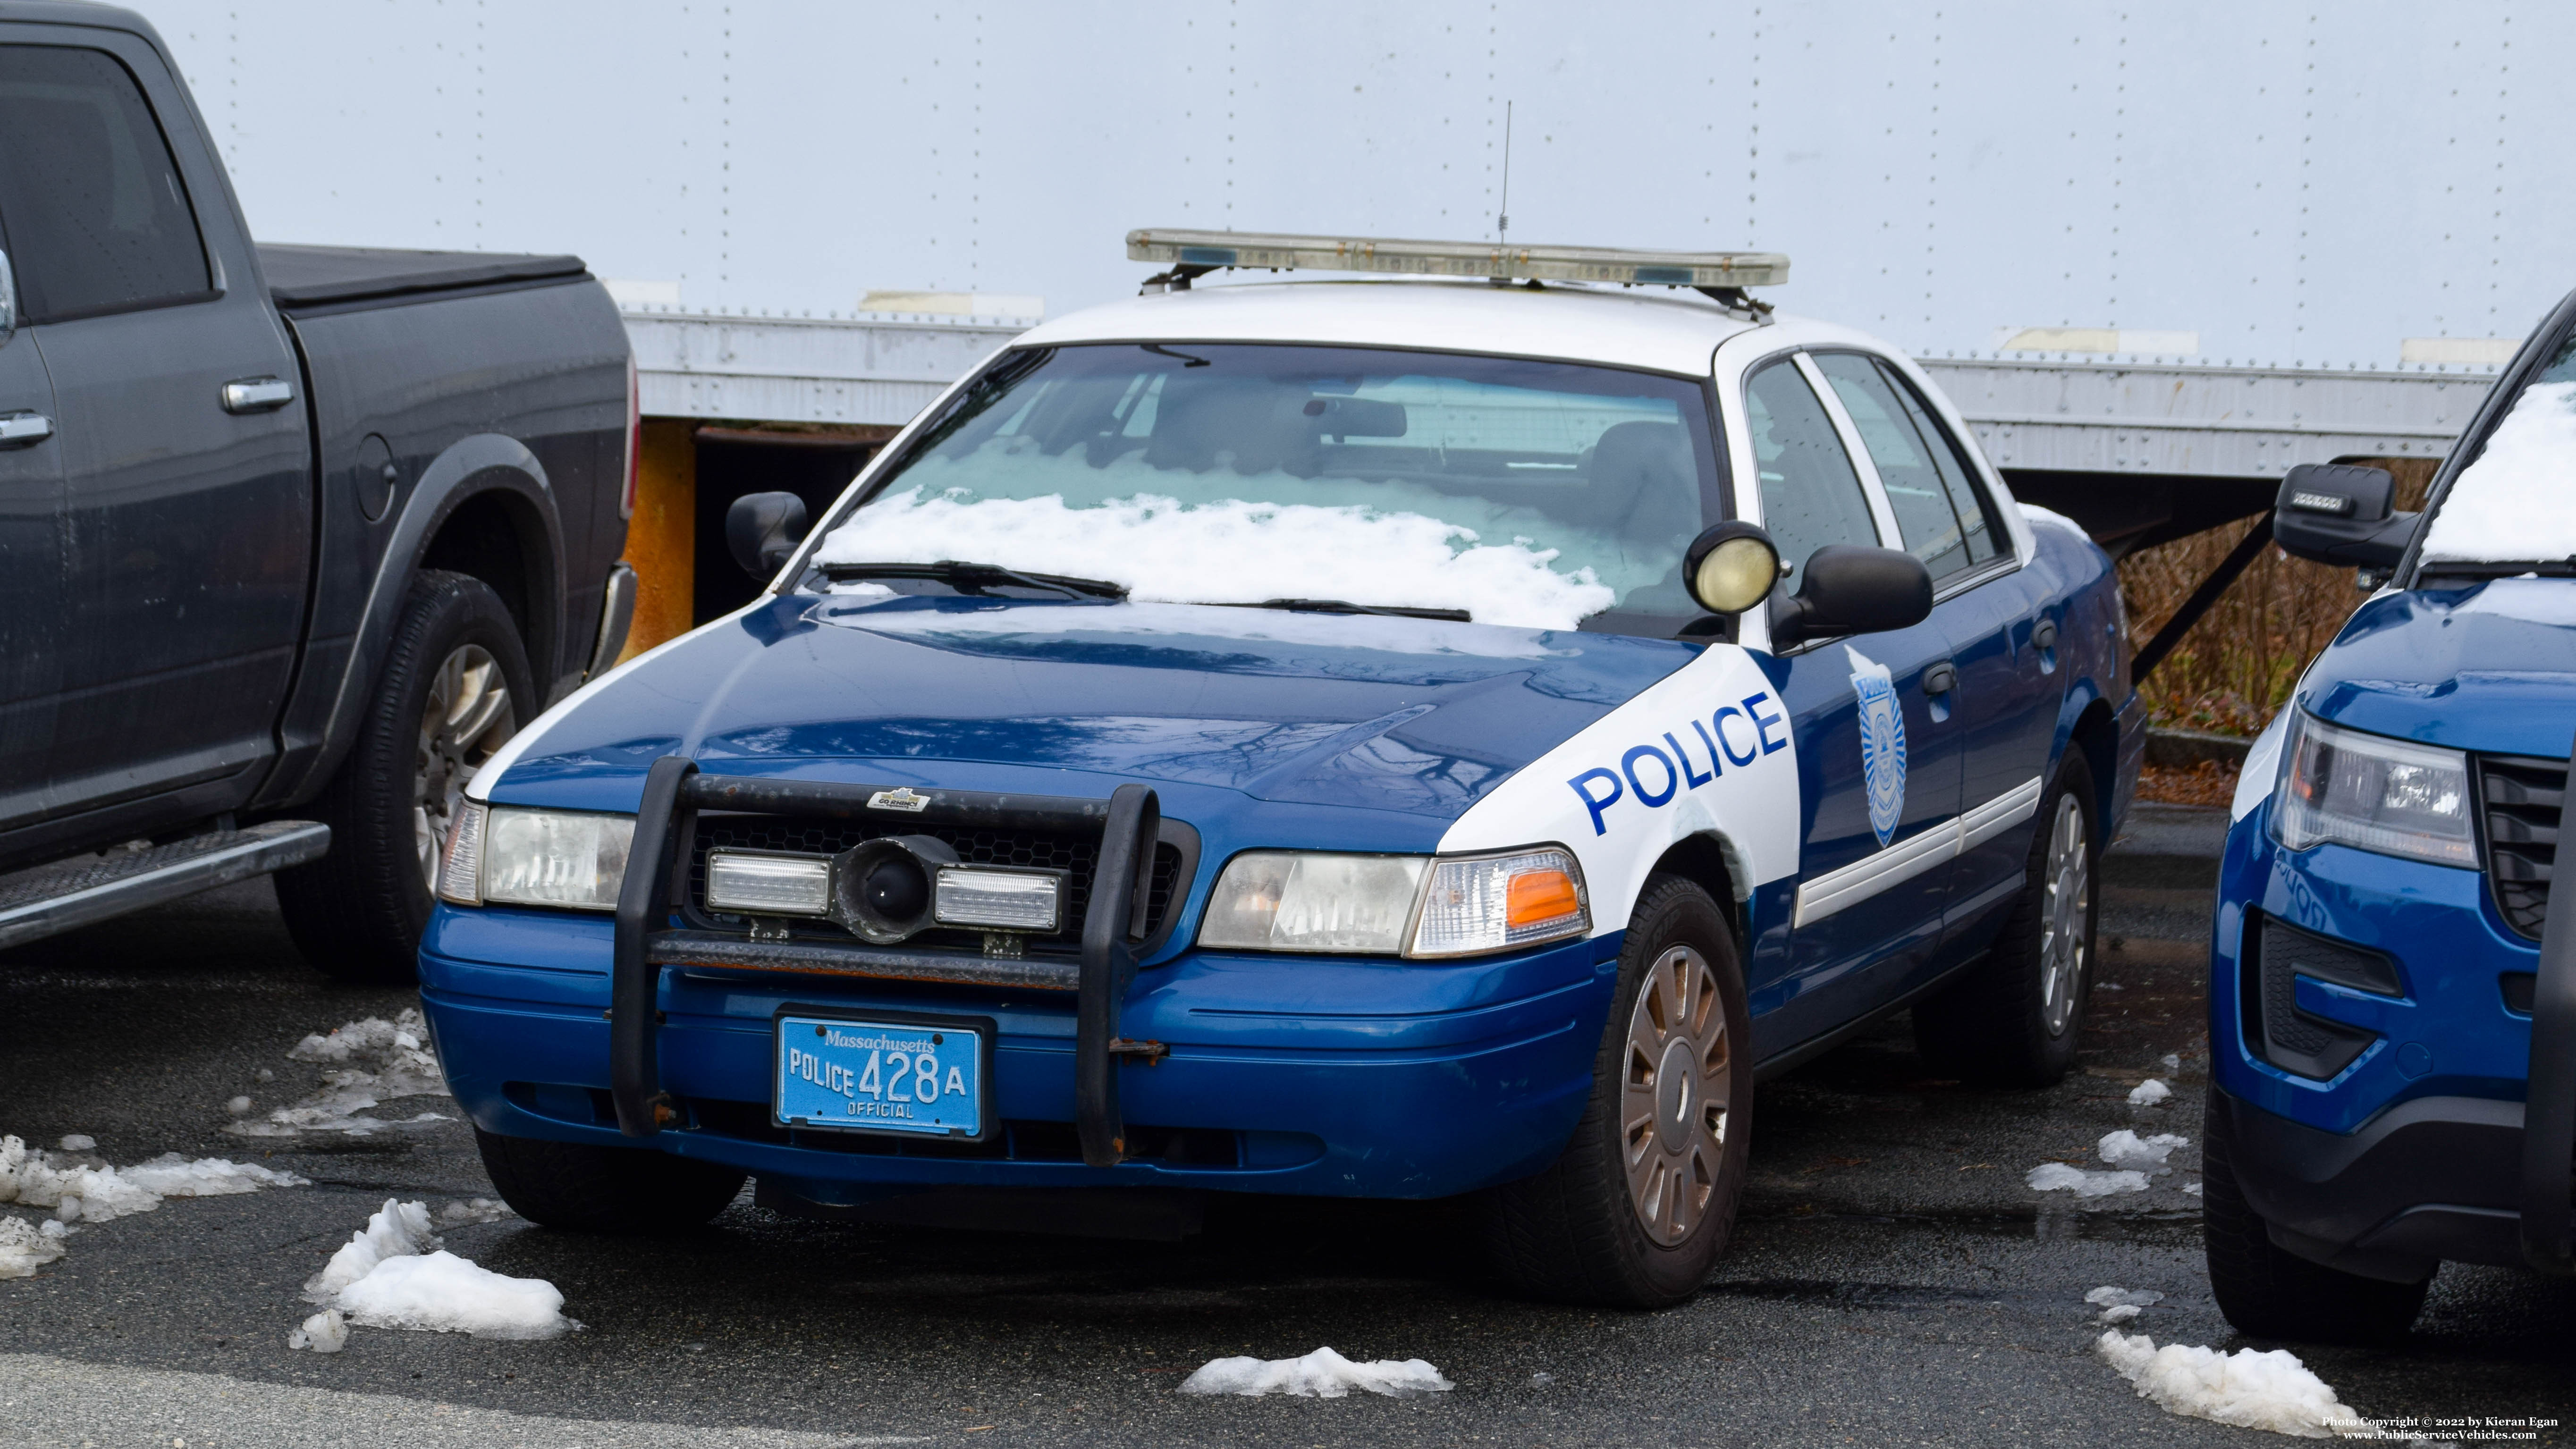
[1940, 512]
[91, 205]
[1811, 494]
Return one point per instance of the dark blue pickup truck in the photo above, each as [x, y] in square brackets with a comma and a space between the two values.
[291, 538]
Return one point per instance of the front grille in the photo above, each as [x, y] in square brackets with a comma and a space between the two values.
[1075, 854]
[2520, 800]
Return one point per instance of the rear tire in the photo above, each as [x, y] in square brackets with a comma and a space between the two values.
[455, 686]
[2270, 1292]
[1638, 1208]
[2011, 1020]
[621, 1190]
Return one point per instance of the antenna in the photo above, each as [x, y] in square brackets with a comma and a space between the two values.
[1503, 218]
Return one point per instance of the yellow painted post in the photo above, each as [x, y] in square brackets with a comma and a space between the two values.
[662, 537]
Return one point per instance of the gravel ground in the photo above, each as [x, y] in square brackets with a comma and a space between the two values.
[1893, 1281]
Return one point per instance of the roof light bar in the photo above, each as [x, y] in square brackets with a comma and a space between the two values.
[1189, 253]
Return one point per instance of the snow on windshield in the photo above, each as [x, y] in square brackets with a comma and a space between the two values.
[2515, 503]
[1528, 494]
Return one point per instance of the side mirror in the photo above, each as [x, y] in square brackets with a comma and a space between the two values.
[1850, 589]
[8, 301]
[1730, 568]
[762, 529]
[2334, 513]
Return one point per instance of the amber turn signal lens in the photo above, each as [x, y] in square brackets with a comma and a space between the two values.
[1538, 896]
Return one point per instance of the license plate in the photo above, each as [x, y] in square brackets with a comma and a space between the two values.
[912, 1076]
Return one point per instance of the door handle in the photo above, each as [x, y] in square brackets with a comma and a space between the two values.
[257, 394]
[18, 430]
[1940, 678]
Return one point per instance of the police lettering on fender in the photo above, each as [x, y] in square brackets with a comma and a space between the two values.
[1674, 761]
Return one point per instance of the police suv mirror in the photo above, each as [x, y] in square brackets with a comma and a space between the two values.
[1730, 568]
[2335, 513]
[762, 529]
[1850, 589]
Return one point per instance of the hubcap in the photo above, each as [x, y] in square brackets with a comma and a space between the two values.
[468, 716]
[1675, 1093]
[2064, 913]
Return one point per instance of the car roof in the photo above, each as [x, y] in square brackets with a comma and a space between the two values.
[1657, 330]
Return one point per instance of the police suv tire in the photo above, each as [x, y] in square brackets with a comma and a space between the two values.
[358, 912]
[1991, 1027]
[2270, 1292]
[1574, 1233]
[623, 1190]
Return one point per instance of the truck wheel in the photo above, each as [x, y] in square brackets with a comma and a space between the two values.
[2270, 1292]
[455, 687]
[2011, 1020]
[586, 1189]
[1643, 1201]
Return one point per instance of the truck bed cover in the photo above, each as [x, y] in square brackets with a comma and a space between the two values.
[306, 276]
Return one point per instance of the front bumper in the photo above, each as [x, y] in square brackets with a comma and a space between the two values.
[2413, 1150]
[1309, 1075]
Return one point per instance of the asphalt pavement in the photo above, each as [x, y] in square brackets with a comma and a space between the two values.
[1893, 1279]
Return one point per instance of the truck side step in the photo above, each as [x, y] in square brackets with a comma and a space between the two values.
[47, 899]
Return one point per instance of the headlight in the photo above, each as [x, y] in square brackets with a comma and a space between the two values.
[501, 855]
[1276, 900]
[2373, 793]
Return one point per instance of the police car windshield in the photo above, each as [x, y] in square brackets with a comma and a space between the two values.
[2512, 505]
[1539, 494]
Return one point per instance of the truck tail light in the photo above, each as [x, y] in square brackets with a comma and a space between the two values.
[634, 441]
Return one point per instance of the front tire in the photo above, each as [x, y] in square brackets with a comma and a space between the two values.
[2011, 1020]
[2270, 1292]
[621, 1190]
[456, 685]
[1643, 1200]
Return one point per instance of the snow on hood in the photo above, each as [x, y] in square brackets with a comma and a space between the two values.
[2518, 500]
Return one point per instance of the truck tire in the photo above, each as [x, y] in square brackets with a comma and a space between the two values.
[624, 1190]
[455, 686]
[2269, 1292]
[2011, 1020]
[1643, 1200]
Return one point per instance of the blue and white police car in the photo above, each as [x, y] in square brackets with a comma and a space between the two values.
[1449, 732]
[2393, 1003]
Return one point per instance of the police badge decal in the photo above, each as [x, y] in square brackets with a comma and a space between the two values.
[1882, 743]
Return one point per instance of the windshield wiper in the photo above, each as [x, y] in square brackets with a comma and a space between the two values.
[1338, 606]
[974, 578]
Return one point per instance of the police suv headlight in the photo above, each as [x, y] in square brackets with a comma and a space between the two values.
[1411, 905]
[2374, 793]
[503, 855]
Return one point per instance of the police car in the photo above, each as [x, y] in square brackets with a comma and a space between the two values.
[2393, 1003]
[1453, 731]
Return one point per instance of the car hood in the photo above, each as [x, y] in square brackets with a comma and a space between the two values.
[1393, 714]
[2490, 668]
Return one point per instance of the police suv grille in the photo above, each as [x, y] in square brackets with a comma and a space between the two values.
[2521, 800]
[1076, 854]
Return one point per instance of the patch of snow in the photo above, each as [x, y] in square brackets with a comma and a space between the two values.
[79, 1142]
[2512, 503]
[393, 1274]
[238, 1106]
[2192, 1187]
[371, 1061]
[2053, 519]
[2148, 1093]
[2247, 1389]
[2172, 1061]
[93, 1191]
[1541, 1380]
[472, 1210]
[25, 1247]
[2125, 1148]
[2057, 1176]
[1322, 1374]
[2121, 1312]
[1231, 550]
[1386, 633]
[2119, 1305]
[324, 1332]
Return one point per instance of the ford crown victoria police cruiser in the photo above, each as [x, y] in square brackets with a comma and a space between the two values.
[2393, 1005]
[1375, 738]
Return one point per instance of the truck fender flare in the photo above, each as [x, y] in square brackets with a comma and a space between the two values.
[471, 467]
